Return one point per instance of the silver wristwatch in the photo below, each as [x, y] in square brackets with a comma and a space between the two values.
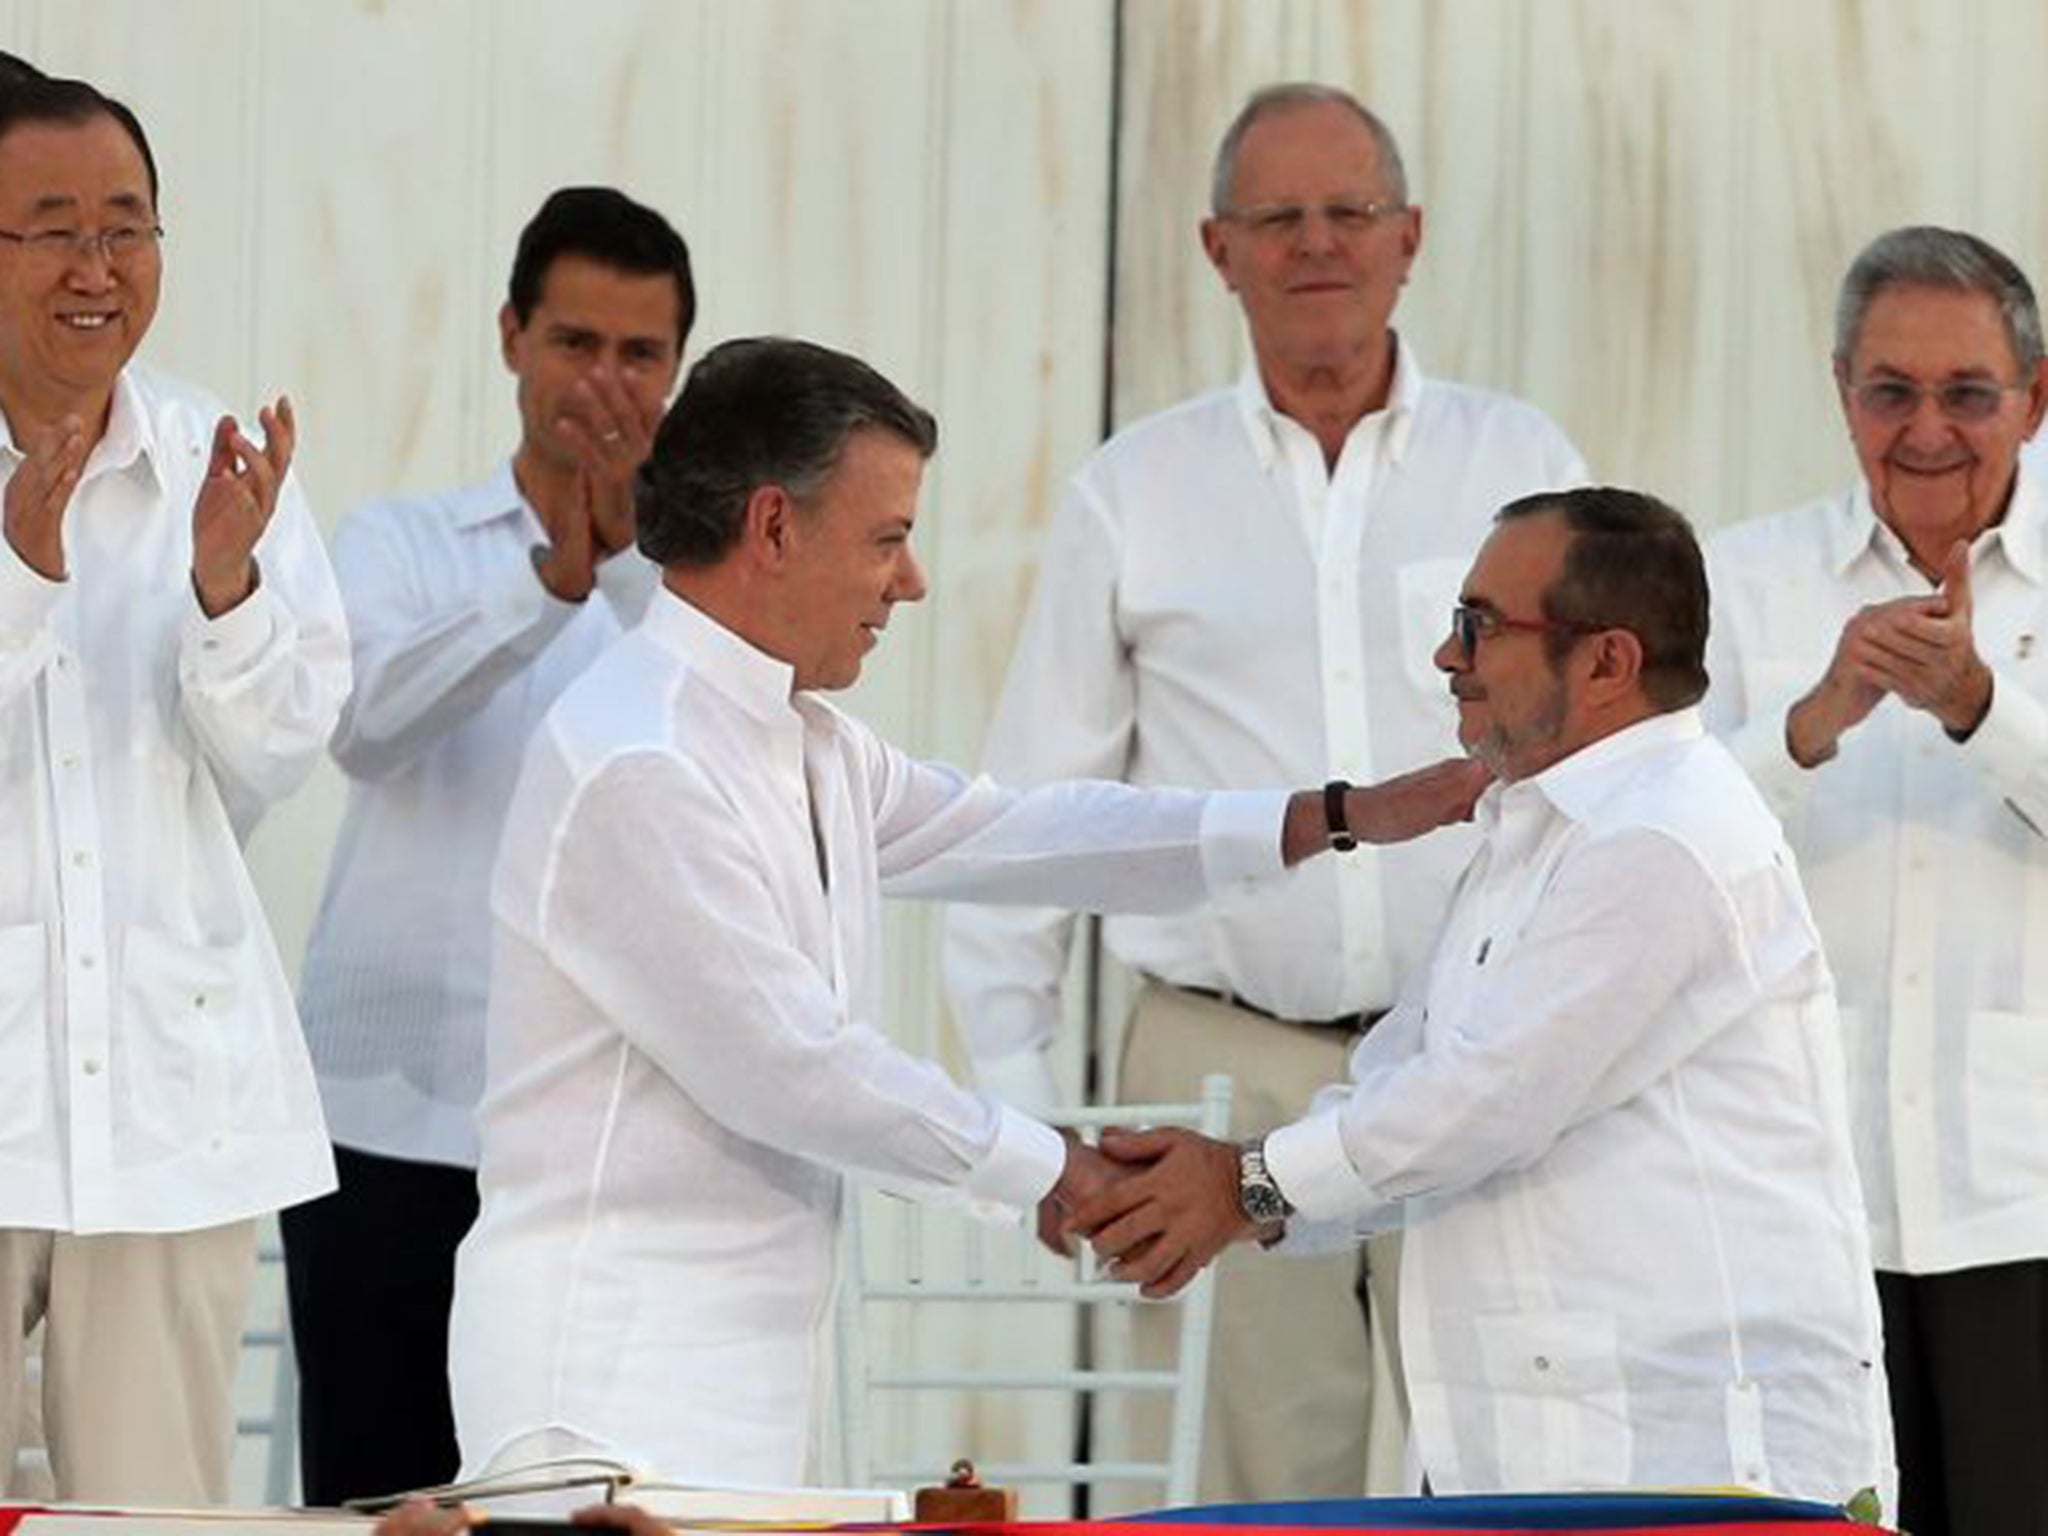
[1257, 1195]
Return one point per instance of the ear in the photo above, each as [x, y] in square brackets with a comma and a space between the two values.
[1216, 246]
[508, 334]
[767, 526]
[2037, 397]
[1411, 238]
[1842, 388]
[1614, 671]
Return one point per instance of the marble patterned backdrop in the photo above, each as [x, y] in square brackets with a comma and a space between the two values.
[1637, 211]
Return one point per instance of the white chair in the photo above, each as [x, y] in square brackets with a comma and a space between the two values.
[269, 1376]
[937, 1263]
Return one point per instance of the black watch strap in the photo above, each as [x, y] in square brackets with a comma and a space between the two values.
[1341, 840]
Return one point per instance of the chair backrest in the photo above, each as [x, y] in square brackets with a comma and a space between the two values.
[932, 1264]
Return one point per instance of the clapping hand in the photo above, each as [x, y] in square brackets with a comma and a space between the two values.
[235, 504]
[38, 493]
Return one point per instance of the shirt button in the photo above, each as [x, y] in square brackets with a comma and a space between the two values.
[87, 962]
[92, 1066]
[70, 760]
[1912, 979]
[199, 1000]
[81, 860]
[1543, 1362]
[63, 662]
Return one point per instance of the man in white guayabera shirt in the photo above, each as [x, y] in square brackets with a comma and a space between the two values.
[1878, 668]
[172, 657]
[1608, 1110]
[468, 611]
[686, 1048]
[1245, 589]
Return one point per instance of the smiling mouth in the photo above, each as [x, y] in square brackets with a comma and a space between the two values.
[85, 322]
[1929, 471]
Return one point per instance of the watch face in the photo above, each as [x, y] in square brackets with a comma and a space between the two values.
[1257, 1195]
[1261, 1202]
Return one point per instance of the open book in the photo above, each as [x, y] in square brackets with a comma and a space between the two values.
[564, 1483]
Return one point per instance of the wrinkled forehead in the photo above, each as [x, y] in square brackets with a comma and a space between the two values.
[1919, 331]
[53, 169]
[1305, 151]
[1517, 563]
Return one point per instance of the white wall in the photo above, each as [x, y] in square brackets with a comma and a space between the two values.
[1637, 211]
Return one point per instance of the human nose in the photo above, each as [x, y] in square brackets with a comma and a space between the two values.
[1318, 231]
[909, 585]
[89, 260]
[1450, 655]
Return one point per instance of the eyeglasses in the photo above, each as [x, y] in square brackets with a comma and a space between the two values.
[1470, 625]
[120, 244]
[1281, 222]
[1964, 400]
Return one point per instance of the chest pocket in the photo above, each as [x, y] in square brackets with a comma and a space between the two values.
[1561, 1412]
[24, 1028]
[190, 1054]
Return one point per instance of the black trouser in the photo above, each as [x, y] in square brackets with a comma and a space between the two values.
[370, 1270]
[1967, 1354]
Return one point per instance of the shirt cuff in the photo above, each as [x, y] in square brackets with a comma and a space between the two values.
[221, 647]
[1022, 1079]
[1022, 1165]
[1309, 1162]
[27, 596]
[1764, 752]
[525, 611]
[2012, 738]
[1241, 837]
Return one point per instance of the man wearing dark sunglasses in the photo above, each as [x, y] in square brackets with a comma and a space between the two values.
[1878, 671]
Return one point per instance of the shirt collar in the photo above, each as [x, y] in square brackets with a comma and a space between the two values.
[1577, 785]
[2024, 528]
[1262, 418]
[488, 500]
[130, 434]
[751, 678]
[1856, 530]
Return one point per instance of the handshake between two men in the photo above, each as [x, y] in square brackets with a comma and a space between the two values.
[1158, 1205]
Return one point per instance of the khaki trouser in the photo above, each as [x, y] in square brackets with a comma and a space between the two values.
[141, 1335]
[1302, 1403]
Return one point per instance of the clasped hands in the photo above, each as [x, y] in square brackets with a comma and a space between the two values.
[590, 517]
[1156, 1205]
[1921, 649]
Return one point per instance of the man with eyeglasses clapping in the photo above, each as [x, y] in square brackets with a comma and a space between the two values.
[172, 658]
[1878, 668]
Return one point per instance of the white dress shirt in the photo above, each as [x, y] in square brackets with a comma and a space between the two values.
[686, 1047]
[1217, 608]
[1927, 866]
[1611, 1118]
[459, 651]
[152, 1076]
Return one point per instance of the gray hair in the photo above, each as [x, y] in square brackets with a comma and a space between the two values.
[1301, 93]
[764, 410]
[1922, 256]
